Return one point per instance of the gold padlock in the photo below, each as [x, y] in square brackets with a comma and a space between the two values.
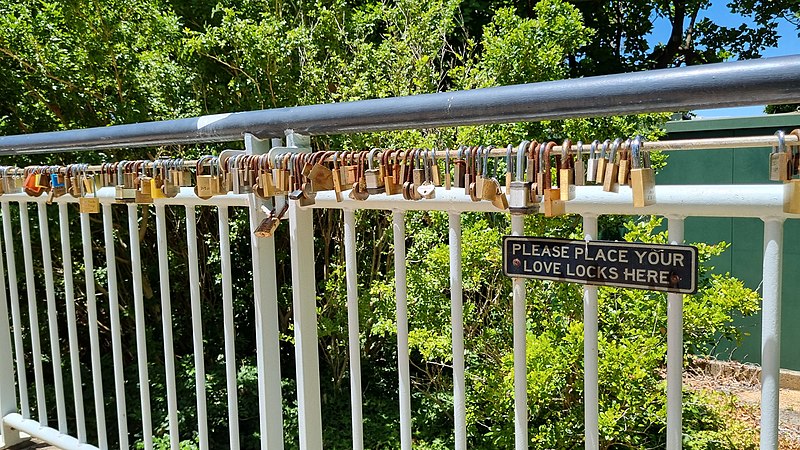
[643, 179]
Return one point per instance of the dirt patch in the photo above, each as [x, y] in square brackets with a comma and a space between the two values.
[742, 383]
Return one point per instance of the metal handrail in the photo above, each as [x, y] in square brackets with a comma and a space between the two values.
[754, 82]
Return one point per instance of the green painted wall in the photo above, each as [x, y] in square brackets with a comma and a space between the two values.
[743, 259]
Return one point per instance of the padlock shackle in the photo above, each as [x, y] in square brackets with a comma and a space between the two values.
[509, 166]
[636, 161]
[781, 147]
[614, 147]
[521, 160]
[593, 149]
[371, 157]
[603, 153]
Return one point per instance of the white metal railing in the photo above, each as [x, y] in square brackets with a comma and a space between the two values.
[674, 202]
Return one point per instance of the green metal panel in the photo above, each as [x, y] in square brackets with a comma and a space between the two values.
[746, 236]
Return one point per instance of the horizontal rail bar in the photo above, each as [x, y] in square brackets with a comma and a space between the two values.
[47, 434]
[723, 200]
[740, 200]
[497, 151]
[754, 82]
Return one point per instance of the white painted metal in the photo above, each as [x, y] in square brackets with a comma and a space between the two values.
[457, 326]
[675, 351]
[52, 317]
[72, 321]
[141, 329]
[197, 327]
[520, 350]
[591, 399]
[16, 320]
[230, 331]
[265, 293]
[8, 398]
[166, 324]
[740, 200]
[401, 299]
[354, 341]
[46, 434]
[33, 313]
[116, 332]
[304, 295]
[771, 332]
[94, 340]
[758, 200]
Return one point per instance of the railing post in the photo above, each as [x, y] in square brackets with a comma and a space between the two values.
[590, 351]
[304, 294]
[265, 291]
[675, 351]
[520, 350]
[8, 398]
[771, 332]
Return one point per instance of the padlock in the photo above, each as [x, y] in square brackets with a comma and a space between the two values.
[427, 189]
[460, 169]
[602, 162]
[780, 164]
[791, 188]
[624, 163]
[553, 205]
[125, 192]
[436, 175]
[374, 176]
[643, 179]
[392, 184]
[202, 187]
[509, 169]
[88, 205]
[337, 178]
[448, 182]
[578, 166]
[359, 190]
[542, 180]
[566, 180]
[170, 185]
[519, 191]
[592, 162]
[321, 176]
[611, 178]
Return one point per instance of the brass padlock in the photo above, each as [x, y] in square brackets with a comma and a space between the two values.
[321, 176]
[460, 169]
[566, 180]
[579, 167]
[780, 167]
[602, 162]
[611, 178]
[89, 205]
[643, 179]
[624, 163]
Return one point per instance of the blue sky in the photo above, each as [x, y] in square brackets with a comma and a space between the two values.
[788, 44]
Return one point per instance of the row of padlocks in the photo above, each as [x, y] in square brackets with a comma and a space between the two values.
[523, 179]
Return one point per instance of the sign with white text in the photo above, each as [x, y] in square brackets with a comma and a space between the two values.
[668, 268]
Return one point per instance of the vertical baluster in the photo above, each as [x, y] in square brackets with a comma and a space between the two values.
[16, 320]
[354, 342]
[457, 325]
[771, 332]
[230, 331]
[8, 398]
[590, 337]
[520, 351]
[197, 327]
[301, 241]
[72, 322]
[166, 323]
[404, 374]
[33, 312]
[94, 339]
[675, 351]
[113, 305]
[141, 327]
[52, 317]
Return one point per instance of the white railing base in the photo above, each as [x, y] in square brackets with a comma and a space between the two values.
[46, 434]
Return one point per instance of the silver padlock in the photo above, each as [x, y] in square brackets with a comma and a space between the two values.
[579, 166]
[519, 192]
[591, 166]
